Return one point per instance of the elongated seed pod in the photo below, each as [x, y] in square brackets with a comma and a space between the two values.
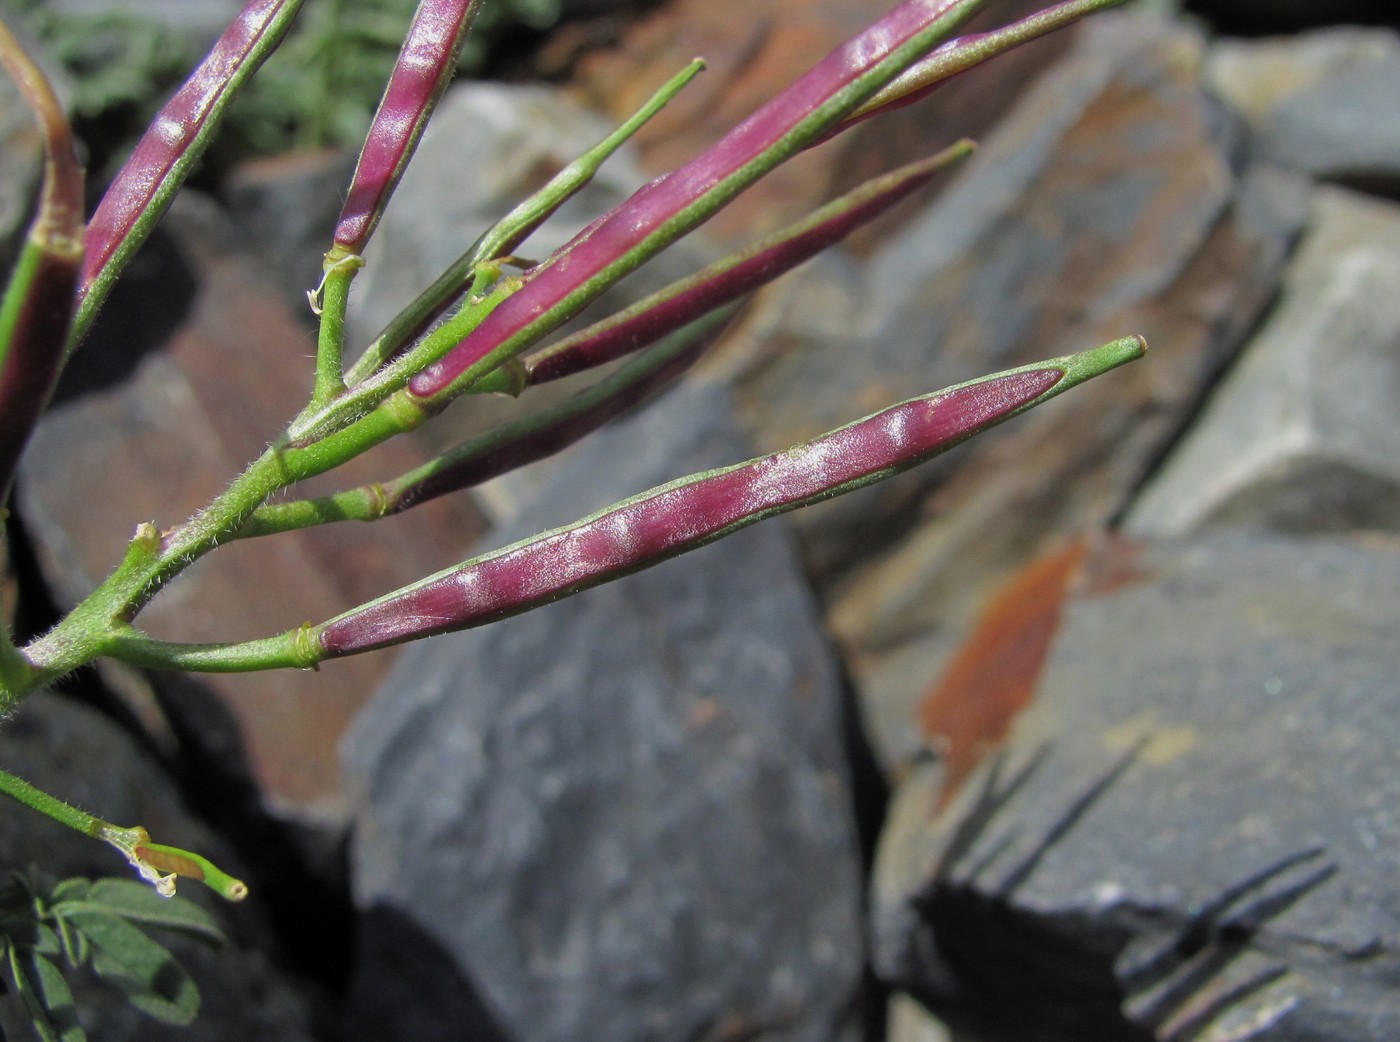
[963, 53]
[732, 277]
[685, 514]
[671, 205]
[172, 145]
[424, 68]
[38, 302]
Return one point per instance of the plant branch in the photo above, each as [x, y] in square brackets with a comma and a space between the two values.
[157, 864]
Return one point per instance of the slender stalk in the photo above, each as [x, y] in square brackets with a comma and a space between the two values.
[334, 299]
[498, 241]
[157, 863]
[508, 447]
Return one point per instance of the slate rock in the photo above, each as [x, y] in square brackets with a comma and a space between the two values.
[185, 378]
[1104, 204]
[623, 816]
[1301, 436]
[1191, 833]
[1322, 103]
[87, 760]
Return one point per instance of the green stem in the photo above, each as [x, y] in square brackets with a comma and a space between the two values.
[501, 449]
[332, 298]
[318, 423]
[509, 232]
[294, 649]
[100, 624]
[35, 798]
[149, 859]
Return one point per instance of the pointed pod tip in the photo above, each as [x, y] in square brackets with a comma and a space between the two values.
[1098, 360]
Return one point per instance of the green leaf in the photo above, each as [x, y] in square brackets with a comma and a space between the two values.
[74, 889]
[32, 998]
[53, 992]
[45, 940]
[153, 981]
[138, 903]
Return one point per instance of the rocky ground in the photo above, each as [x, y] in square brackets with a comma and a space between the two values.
[1077, 734]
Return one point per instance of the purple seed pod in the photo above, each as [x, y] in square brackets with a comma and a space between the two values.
[425, 67]
[563, 424]
[37, 307]
[169, 148]
[965, 52]
[733, 277]
[688, 513]
[665, 209]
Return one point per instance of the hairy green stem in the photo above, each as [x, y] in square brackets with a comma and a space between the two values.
[509, 232]
[157, 863]
[332, 299]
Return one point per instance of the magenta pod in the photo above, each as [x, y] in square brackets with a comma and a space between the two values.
[688, 513]
[731, 278]
[157, 166]
[425, 67]
[665, 209]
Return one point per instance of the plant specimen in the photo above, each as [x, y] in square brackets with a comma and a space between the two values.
[488, 324]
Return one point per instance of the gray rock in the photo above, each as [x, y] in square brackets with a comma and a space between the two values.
[87, 760]
[1301, 434]
[624, 816]
[1204, 844]
[1066, 230]
[1322, 103]
[285, 208]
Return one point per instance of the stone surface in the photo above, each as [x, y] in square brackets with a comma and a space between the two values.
[1192, 833]
[1104, 204]
[160, 408]
[624, 816]
[1322, 103]
[85, 759]
[285, 208]
[1301, 435]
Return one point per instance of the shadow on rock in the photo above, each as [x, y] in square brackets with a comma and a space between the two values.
[442, 1003]
[999, 968]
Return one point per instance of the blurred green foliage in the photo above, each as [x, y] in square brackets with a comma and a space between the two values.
[46, 924]
[320, 87]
